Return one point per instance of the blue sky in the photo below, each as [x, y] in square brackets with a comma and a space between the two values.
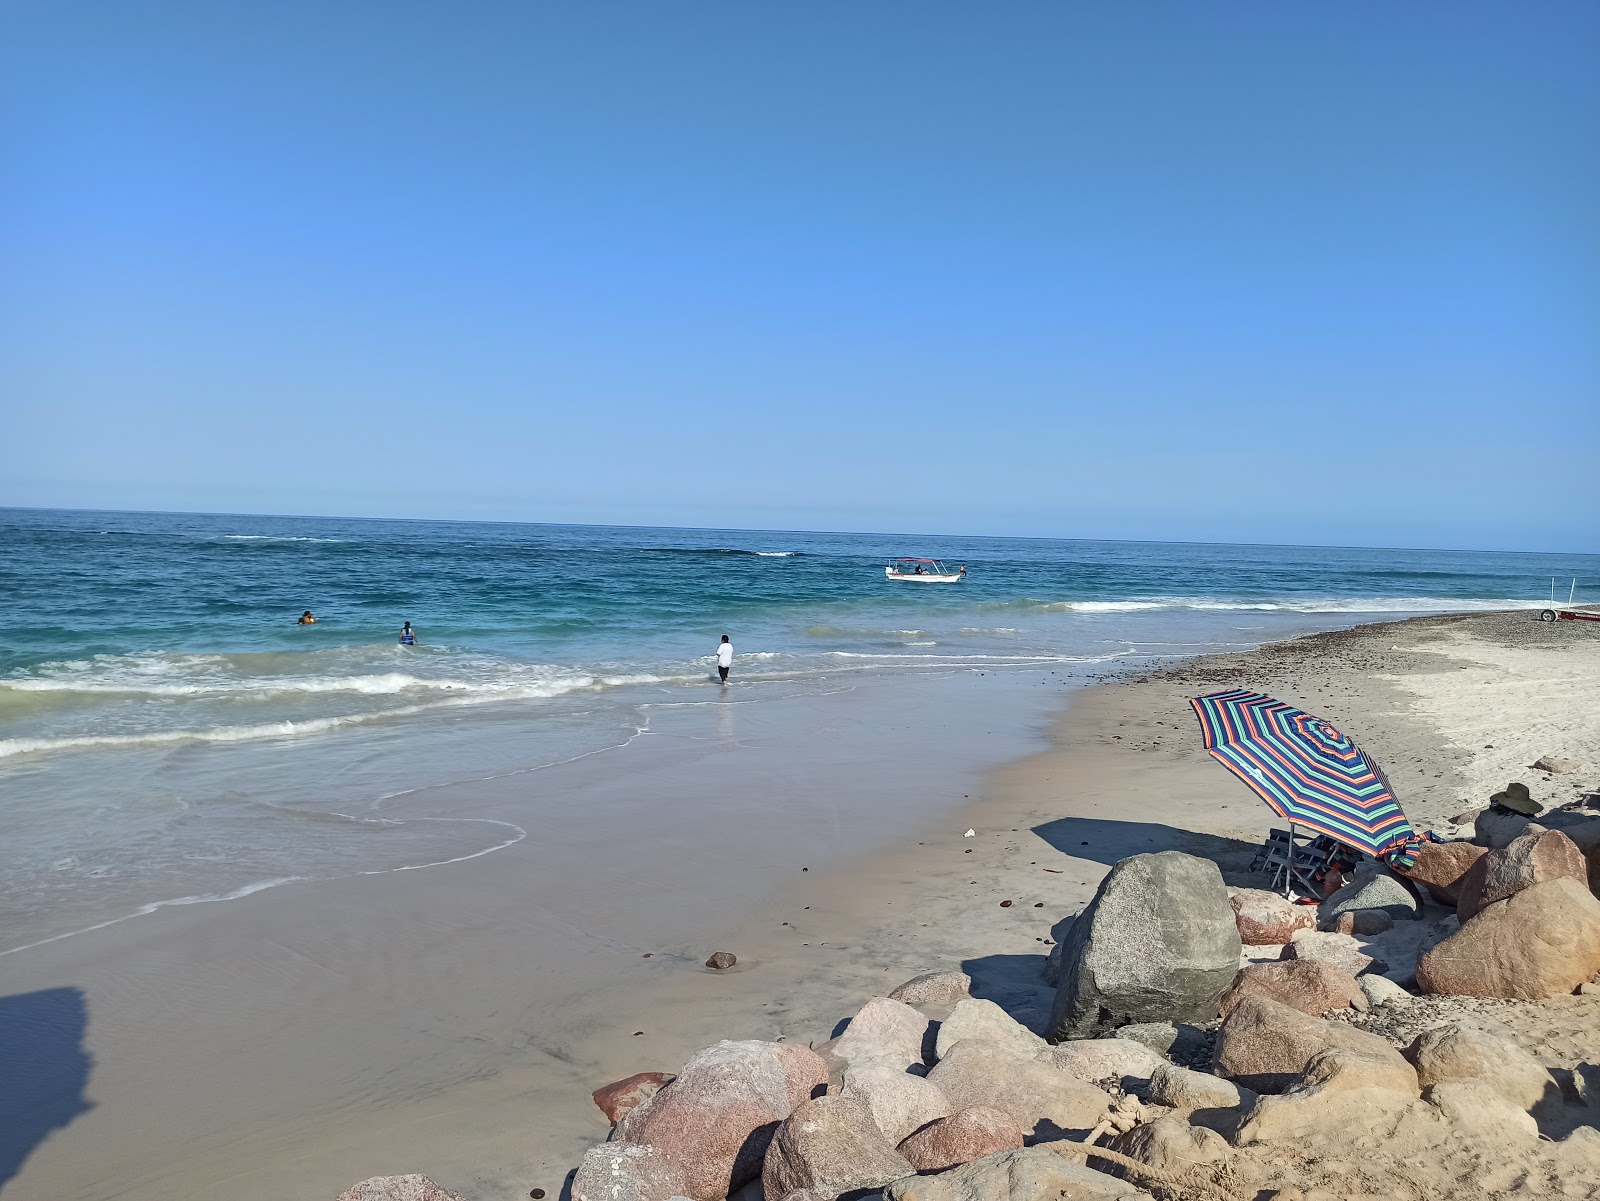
[1228, 271]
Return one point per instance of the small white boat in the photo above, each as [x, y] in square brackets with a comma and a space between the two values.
[924, 571]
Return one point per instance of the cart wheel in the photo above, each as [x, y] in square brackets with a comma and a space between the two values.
[1548, 615]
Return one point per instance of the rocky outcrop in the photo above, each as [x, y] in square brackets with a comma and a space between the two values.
[883, 1031]
[972, 1018]
[830, 1146]
[1095, 1059]
[934, 988]
[621, 1096]
[1034, 1172]
[716, 1119]
[1158, 942]
[1556, 765]
[1267, 1046]
[961, 1138]
[1365, 922]
[627, 1172]
[1526, 860]
[1042, 1101]
[398, 1188]
[1372, 886]
[1542, 942]
[1267, 919]
[897, 1101]
[1455, 1053]
[1308, 985]
[1440, 866]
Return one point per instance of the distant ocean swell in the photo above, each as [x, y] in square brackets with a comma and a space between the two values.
[1352, 605]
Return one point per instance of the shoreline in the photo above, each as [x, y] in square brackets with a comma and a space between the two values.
[1123, 772]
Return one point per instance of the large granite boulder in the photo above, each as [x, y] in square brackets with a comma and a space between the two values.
[1269, 919]
[398, 1188]
[897, 1101]
[1042, 1100]
[961, 1138]
[1031, 1174]
[1454, 1053]
[1543, 942]
[1364, 1092]
[1527, 859]
[1308, 985]
[883, 1031]
[716, 1119]
[1372, 886]
[627, 1172]
[832, 1146]
[1266, 1046]
[1159, 942]
[973, 1018]
[1440, 866]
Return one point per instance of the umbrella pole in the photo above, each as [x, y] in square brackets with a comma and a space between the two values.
[1288, 875]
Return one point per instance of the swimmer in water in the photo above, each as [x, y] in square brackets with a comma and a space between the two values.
[306, 619]
[407, 636]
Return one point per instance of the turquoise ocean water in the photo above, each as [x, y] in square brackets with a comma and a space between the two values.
[163, 718]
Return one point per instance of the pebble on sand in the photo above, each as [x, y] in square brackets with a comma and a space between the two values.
[721, 960]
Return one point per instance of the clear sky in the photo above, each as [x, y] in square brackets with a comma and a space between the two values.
[1303, 272]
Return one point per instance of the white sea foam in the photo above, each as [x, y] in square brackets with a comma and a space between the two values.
[275, 538]
[776, 554]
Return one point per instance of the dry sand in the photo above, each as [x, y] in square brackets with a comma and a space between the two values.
[508, 1110]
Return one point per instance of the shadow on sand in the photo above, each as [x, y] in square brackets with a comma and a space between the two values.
[45, 1072]
[1105, 841]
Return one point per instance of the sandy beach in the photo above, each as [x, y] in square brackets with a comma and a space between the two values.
[293, 1043]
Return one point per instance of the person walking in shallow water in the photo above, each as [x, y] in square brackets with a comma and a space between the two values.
[724, 659]
[408, 636]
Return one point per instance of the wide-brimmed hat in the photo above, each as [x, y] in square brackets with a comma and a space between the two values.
[1515, 798]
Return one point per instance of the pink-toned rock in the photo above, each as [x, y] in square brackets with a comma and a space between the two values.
[883, 1031]
[934, 988]
[1542, 942]
[627, 1172]
[399, 1188]
[618, 1097]
[830, 1146]
[1043, 1101]
[1365, 922]
[1305, 984]
[1266, 1046]
[961, 1138]
[1266, 919]
[1526, 860]
[716, 1119]
[1496, 827]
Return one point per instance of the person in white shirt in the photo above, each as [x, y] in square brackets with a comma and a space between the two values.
[724, 659]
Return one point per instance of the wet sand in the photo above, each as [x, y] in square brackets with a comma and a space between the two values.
[452, 1022]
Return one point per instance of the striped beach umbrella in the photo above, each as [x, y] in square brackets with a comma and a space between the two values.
[1306, 770]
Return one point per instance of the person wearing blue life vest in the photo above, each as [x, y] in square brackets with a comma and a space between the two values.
[408, 636]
